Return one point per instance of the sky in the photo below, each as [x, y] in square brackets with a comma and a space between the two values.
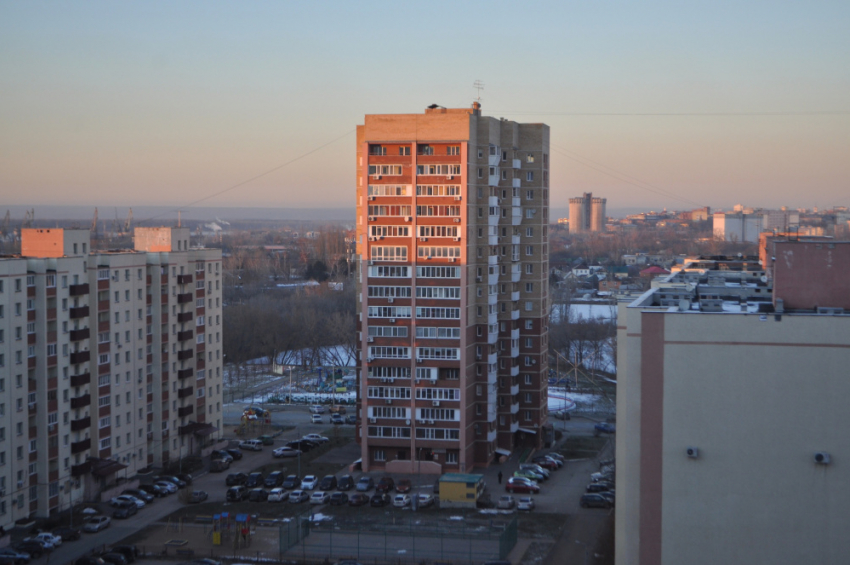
[650, 104]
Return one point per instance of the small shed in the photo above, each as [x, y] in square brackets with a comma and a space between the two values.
[461, 490]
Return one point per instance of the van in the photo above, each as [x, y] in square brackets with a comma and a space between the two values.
[251, 444]
[236, 494]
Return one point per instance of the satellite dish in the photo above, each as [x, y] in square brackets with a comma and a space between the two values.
[684, 305]
[764, 278]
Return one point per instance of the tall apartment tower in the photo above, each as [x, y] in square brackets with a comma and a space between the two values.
[587, 214]
[452, 244]
[110, 362]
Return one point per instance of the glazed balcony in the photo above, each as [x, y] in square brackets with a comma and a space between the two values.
[79, 312]
[78, 289]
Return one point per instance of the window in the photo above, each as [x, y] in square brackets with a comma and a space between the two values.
[529, 324]
[529, 176]
[529, 195]
[529, 268]
[529, 232]
[480, 172]
[404, 150]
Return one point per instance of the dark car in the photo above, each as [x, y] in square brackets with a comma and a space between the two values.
[89, 560]
[380, 499]
[34, 547]
[67, 534]
[236, 494]
[598, 487]
[605, 428]
[179, 483]
[185, 477]
[291, 482]
[254, 480]
[145, 497]
[234, 479]
[114, 558]
[386, 484]
[346, 482]
[130, 552]
[328, 483]
[351, 419]
[274, 479]
[338, 499]
[125, 510]
[403, 486]
[221, 454]
[154, 490]
[12, 557]
[266, 440]
[235, 453]
[594, 500]
[258, 495]
[302, 444]
[365, 484]
[358, 499]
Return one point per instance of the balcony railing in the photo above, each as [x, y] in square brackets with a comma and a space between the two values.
[185, 411]
[81, 469]
[183, 317]
[184, 392]
[185, 354]
[79, 312]
[184, 297]
[185, 373]
[81, 401]
[78, 289]
[78, 357]
[184, 279]
[185, 335]
[80, 424]
[81, 380]
[80, 335]
[80, 446]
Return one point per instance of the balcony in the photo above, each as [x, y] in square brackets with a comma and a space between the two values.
[492, 376]
[515, 370]
[80, 446]
[492, 337]
[184, 317]
[515, 314]
[185, 411]
[515, 202]
[515, 388]
[515, 351]
[185, 354]
[81, 401]
[516, 216]
[517, 163]
[514, 427]
[516, 183]
[184, 297]
[516, 273]
[514, 407]
[492, 298]
[492, 318]
[184, 279]
[78, 357]
[493, 180]
[80, 335]
[514, 296]
[185, 335]
[184, 392]
[80, 424]
[491, 435]
[81, 380]
[491, 412]
[79, 312]
[81, 469]
[78, 289]
[492, 358]
[185, 373]
[493, 159]
[515, 333]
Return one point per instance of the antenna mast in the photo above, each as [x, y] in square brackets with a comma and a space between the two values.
[479, 86]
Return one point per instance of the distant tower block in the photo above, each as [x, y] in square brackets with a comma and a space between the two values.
[587, 214]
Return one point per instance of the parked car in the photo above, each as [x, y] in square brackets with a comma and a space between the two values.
[594, 500]
[604, 428]
[130, 552]
[338, 499]
[608, 495]
[9, 556]
[221, 454]
[536, 468]
[236, 479]
[317, 409]
[386, 484]
[525, 503]
[235, 453]
[291, 482]
[254, 480]
[365, 484]
[425, 500]
[140, 494]
[527, 474]
[337, 419]
[320, 497]
[316, 438]
[198, 496]
[170, 487]
[251, 445]
[315, 418]
[598, 487]
[34, 548]
[236, 494]
[277, 495]
[345, 482]
[380, 499]
[351, 419]
[185, 477]
[274, 479]
[67, 533]
[328, 483]
[518, 484]
[96, 523]
[179, 483]
[403, 486]
[286, 451]
[309, 482]
[117, 501]
[258, 495]
[155, 490]
[50, 541]
[602, 476]
[401, 500]
[506, 502]
[297, 496]
[358, 499]
[114, 558]
[547, 462]
[266, 439]
[338, 409]
[90, 560]
[301, 445]
[219, 465]
[125, 510]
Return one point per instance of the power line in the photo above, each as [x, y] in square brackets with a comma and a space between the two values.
[619, 175]
[255, 177]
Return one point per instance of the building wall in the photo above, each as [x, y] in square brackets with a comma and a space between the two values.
[798, 263]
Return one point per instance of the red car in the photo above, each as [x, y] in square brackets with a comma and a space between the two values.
[518, 484]
[403, 486]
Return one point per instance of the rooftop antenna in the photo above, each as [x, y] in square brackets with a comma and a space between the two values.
[479, 86]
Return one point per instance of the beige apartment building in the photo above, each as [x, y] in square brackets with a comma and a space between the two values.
[587, 214]
[110, 362]
[452, 244]
[732, 412]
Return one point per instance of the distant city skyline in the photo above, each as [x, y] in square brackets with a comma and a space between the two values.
[674, 106]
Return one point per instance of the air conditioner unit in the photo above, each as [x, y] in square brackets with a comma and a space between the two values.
[534, 361]
[418, 361]
[392, 320]
[389, 400]
[370, 340]
[435, 403]
[457, 220]
[407, 422]
[452, 259]
[371, 218]
[477, 279]
[420, 421]
[692, 452]
[457, 198]
[371, 198]
[20, 484]
[373, 420]
[408, 218]
[391, 300]
[449, 177]
[376, 177]
[457, 239]
[369, 359]
[423, 239]
[822, 458]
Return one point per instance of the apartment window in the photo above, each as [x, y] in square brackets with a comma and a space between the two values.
[404, 150]
[529, 176]
[529, 324]
[529, 213]
[33, 446]
[529, 250]
[105, 443]
[103, 359]
[527, 414]
[529, 232]
[504, 175]
[480, 172]
[529, 268]
[529, 195]
[529, 287]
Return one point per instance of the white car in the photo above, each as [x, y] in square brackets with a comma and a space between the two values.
[506, 502]
[297, 496]
[426, 500]
[320, 497]
[315, 438]
[309, 482]
[286, 452]
[117, 501]
[401, 500]
[316, 419]
[96, 523]
[317, 409]
[525, 503]
[49, 540]
[167, 485]
[277, 495]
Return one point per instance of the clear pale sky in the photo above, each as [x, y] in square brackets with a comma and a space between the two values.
[165, 103]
